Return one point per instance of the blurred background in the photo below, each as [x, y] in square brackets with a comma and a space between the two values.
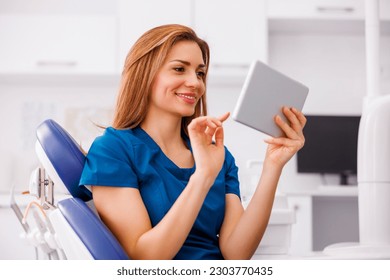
[63, 59]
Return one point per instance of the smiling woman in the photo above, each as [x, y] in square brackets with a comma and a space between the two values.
[162, 179]
[143, 62]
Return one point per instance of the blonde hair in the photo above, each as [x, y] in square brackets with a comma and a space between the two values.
[141, 66]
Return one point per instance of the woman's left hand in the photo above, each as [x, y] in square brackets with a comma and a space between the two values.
[280, 150]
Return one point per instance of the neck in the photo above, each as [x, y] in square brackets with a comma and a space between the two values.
[165, 130]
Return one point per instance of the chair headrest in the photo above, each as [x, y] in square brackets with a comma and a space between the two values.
[62, 158]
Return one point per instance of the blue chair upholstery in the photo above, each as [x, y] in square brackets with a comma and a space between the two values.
[65, 156]
[92, 232]
[67, 159]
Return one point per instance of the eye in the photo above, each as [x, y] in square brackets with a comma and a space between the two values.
[201, 74]
[179, 69]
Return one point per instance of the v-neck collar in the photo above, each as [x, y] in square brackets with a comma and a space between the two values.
[154, 146]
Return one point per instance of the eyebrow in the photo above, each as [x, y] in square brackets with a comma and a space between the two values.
[187, 63]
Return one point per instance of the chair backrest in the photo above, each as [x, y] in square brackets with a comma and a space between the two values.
[63, 160]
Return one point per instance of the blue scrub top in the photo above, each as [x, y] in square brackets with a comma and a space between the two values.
[131, 158]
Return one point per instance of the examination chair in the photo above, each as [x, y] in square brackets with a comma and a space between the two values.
[77, 228]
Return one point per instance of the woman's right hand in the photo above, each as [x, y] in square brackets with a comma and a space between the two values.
[208, 155]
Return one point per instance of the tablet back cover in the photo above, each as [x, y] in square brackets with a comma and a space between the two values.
[264, 93]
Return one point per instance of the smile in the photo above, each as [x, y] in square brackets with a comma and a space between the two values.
[187, 97]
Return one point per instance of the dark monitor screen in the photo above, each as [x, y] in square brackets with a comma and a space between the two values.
[330, 146]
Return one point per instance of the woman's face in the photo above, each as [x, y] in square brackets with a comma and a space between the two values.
[179, 84]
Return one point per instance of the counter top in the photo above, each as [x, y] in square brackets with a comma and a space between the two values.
[322, 190]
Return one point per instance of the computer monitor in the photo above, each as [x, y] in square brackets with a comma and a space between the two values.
[330, 146]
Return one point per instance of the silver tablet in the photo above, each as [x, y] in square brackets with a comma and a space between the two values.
[264, 93]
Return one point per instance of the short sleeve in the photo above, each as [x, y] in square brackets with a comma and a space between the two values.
[231, 175]
[109, 162]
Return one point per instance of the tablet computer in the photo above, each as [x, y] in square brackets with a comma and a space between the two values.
[264, 93]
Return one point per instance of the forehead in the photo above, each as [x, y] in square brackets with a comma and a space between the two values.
[186, 50]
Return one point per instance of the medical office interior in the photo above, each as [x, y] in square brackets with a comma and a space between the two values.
[62, 60]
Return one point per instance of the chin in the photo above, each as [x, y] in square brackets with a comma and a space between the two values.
[187, 112]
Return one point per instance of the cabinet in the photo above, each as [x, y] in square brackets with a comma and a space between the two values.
[301, 230]
[328, 15]
[323, 9]
[326, 50]
[384, 12]
[324, 215]
[60, 44]
[335, 220]
[236, 31]
[50, 39]
[135, 18]
[320, 9]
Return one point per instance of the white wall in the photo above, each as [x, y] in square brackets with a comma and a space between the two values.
[26, 104]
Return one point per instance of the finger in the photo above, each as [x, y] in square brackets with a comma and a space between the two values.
[199, 124]
[297, 120]
[210, 123]
[211, 130]
[293, 128]
[301, 117]
[224, 117]
[292, 117]
[286, 142]
[216, 123]
[272, 141]
[285, 127]
[277, 141]
[206, 124]
[217, 120]
[219, 136]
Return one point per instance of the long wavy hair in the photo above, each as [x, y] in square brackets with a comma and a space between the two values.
[142, 63]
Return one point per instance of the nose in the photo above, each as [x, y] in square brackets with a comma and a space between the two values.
[193, 80]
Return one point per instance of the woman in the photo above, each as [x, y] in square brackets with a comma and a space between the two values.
[162, 180]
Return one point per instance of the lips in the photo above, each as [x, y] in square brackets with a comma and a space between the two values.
[187, 97]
